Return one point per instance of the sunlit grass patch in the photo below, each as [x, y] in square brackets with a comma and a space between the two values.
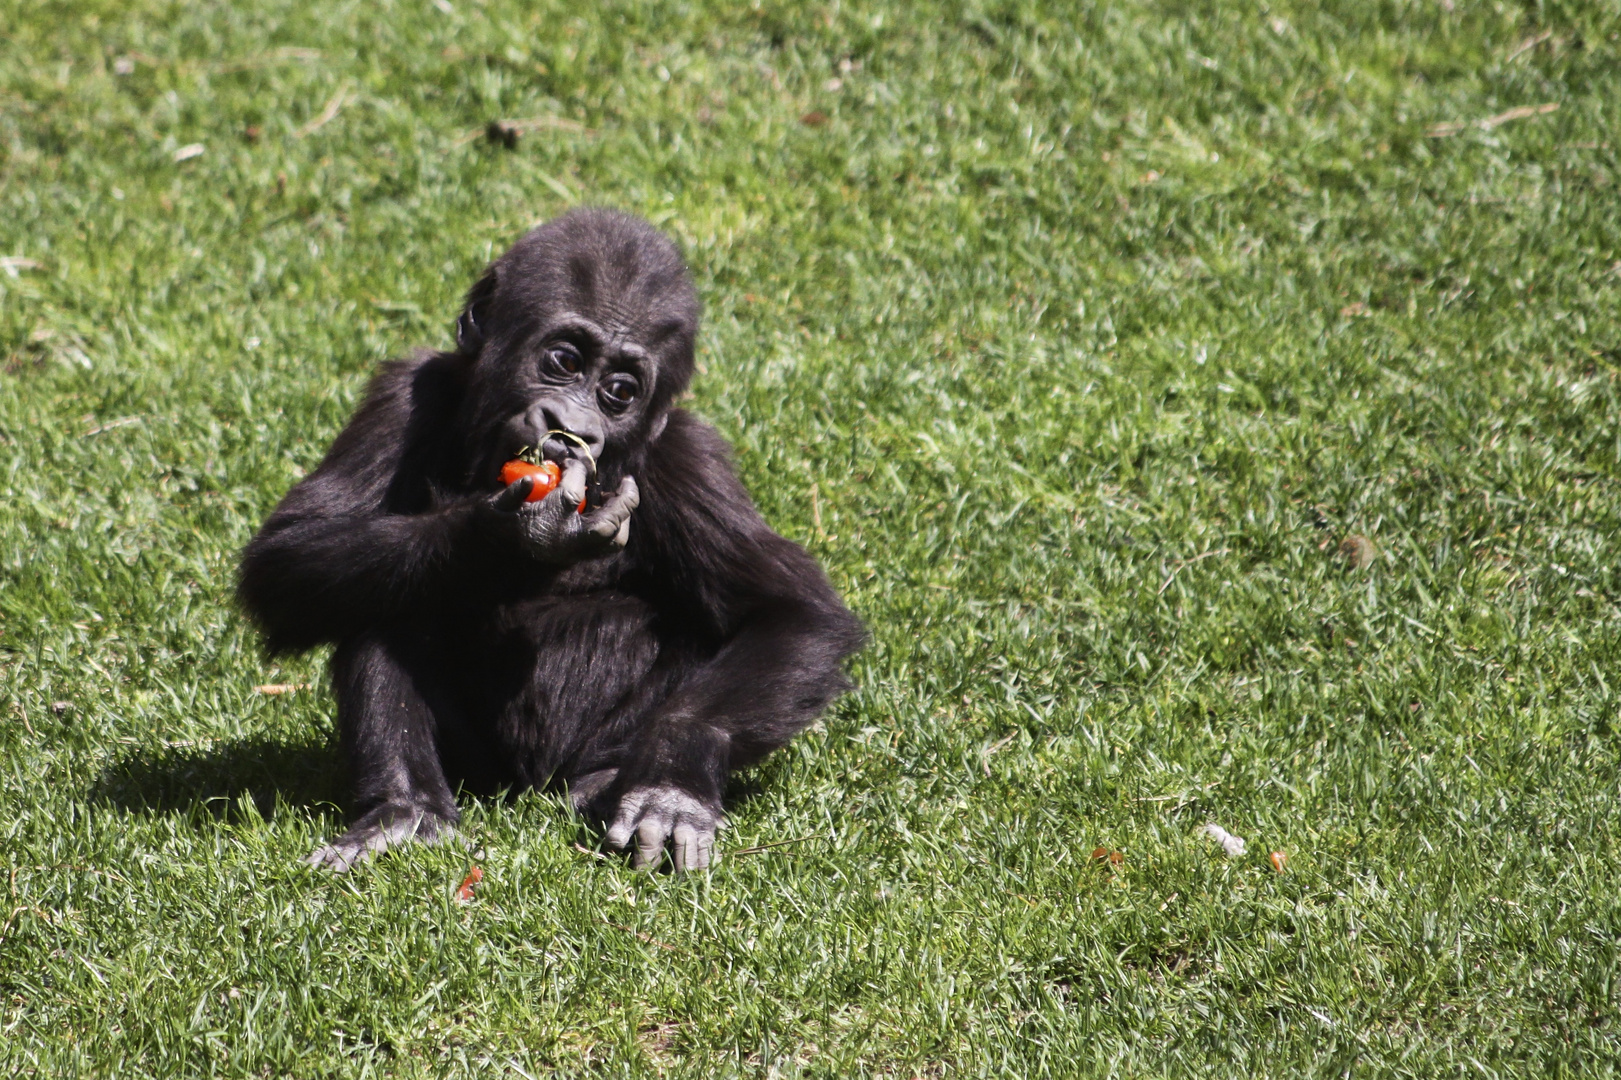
[1077, 342]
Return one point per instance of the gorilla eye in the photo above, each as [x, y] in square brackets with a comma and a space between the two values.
[563, 359]
[619, 391]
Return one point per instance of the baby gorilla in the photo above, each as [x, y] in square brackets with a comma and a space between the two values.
[633, 652]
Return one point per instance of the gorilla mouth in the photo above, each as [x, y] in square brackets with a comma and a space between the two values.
[559, 446]
[561, 440]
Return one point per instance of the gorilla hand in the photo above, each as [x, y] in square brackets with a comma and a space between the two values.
[553, 531]
[655, 814]
[386, 826]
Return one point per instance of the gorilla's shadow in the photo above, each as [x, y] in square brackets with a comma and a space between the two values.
[215, 778]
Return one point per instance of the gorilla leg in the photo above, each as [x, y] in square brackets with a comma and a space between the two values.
[394, 714]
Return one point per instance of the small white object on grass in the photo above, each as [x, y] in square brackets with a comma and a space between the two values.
[186, 153]
[1232, 845]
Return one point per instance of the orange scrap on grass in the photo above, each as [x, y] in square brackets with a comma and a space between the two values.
[1279, 859]
[465, 892]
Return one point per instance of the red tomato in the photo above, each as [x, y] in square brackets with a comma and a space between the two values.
[546, 475]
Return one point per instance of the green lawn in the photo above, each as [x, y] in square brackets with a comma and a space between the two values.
[1074, 339]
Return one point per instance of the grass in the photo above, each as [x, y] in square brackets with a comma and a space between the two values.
[1074, 339]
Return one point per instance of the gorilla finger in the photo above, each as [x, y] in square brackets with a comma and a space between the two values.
[684, 845]
[693, 846]
[629, 492]
[334, 858]
[623, 535]
[616, 511]
[513, 495]
[650, 837]
[618, 835]
[609, 520]
[571, 488]
[623, 501]
[619, 832]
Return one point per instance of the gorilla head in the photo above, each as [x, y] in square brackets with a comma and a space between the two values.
[587, 325]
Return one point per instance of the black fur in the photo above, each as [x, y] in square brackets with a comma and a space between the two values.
[468, 655]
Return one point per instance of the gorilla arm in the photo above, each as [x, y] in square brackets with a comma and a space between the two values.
[360, 542]
[782, 636]
[354, 543]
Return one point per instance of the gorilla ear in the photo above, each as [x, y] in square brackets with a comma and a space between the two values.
[468, 336]
[472, 322]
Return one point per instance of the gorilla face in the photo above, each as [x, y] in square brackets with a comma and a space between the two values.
[586, 326]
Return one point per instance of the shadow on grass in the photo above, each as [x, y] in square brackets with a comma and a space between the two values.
[215, 778]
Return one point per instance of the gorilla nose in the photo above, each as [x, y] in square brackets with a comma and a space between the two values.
[577, 422]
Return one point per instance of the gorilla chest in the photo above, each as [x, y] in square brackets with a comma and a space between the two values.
[557, 661]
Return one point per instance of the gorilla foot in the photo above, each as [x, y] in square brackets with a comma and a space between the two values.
[378, 830]
[662, 814]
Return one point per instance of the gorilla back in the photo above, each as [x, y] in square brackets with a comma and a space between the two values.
[632, 649]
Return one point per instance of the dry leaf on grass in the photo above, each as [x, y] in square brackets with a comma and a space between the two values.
[1358, 551]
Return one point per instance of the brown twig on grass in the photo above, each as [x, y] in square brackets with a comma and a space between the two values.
[778, 843]
[1188, 562]
[645, 938]
[985, 754]
[5, 926]
[122, 421]
[125, 65]
[507, 132]
[338, 101]
[1528, 44]
[1452, 127]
